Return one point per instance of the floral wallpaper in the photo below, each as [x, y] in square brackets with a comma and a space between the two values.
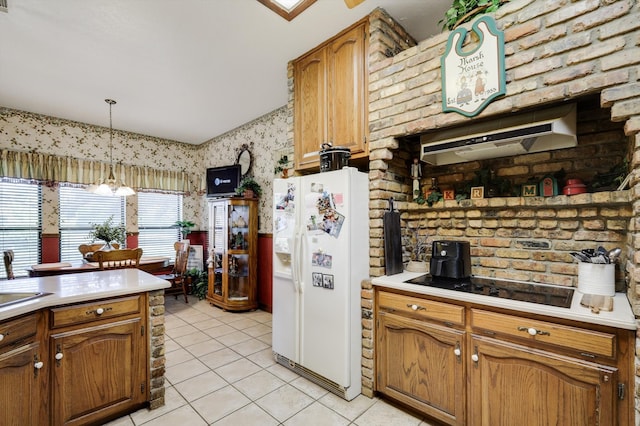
[265, 136]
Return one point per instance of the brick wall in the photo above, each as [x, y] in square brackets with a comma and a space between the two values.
[156, 349]
[585, 51]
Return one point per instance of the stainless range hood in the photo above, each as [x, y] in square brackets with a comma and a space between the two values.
[544, 130]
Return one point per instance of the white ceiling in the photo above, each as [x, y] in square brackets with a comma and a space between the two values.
[186, 70]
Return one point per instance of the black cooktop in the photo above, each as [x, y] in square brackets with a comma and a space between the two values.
[514, 290]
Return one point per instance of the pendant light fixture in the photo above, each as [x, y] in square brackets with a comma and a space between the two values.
[111, 186]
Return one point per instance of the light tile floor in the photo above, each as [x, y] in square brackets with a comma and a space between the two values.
[221, 371]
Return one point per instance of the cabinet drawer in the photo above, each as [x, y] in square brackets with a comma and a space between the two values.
[93, 311]
[422, 308]
[17, 330]
[572, 338]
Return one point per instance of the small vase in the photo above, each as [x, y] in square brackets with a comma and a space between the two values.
[248, 193]
[415, 266]
[107, 247]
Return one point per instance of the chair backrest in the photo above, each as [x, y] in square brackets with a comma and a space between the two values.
[90, 248]
[8, 263]
[118, 259]
[182, 256]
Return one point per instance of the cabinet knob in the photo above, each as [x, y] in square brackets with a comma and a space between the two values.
[59, 356]
[99, 311]
[533, 332]
[38, 365]
[1, 337]
[416, 307]
[475, 357]
[458, 352]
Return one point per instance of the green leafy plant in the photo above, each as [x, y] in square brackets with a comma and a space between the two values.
[462, 11]
[281, 164]
[108, 232]
[185, 226]
[199, 282]
[249, 183]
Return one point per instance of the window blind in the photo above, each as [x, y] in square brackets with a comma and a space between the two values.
[157, 215]
[80, 209]
[20, 224]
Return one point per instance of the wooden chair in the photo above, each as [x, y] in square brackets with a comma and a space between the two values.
[8, 264]
[87, 249]
[178, 278]
[118, 259]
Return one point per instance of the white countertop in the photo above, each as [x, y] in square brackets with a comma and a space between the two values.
[74, 288]
[620, 317]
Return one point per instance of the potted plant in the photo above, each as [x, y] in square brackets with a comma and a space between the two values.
[198, 282]
[249, 188]
[185, 227]
[417, 247]
[108, 233]
[282, 167]
[462, 11]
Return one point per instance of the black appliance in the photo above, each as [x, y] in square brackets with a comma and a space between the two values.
[333, 158]
[505, 289]
[223, 181]
[450, 259]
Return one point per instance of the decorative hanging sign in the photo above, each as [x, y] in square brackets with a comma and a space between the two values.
[471, 80]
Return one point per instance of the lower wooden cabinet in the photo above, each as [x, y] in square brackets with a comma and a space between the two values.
[488, 367]
[420, 365]
[99, 366]
[540, 388]
[78, 364]
[23, 373]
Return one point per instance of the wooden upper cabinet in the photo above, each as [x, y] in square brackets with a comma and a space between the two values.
[346, 88]
[310, 129]
[330, 97]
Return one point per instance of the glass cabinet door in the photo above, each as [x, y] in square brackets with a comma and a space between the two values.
[233, 253]
[217, 243]
[238, 249]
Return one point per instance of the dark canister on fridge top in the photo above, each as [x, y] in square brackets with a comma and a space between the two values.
[333, 157]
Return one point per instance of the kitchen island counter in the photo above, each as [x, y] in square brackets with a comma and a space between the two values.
[74, 288]
[620, 317]
[106, 321]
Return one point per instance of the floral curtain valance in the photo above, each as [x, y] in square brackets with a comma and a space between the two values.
[51, 168]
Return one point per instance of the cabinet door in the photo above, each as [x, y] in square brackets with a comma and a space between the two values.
[97, 371]
[217, 245]
[420, 364]
[22, 390]
[347, 108]
[513, 384]
[310, 129]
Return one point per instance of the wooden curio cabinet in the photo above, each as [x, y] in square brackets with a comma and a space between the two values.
[330, 97]
[233, 241]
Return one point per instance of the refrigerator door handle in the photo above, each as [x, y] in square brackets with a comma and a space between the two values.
[296, 263]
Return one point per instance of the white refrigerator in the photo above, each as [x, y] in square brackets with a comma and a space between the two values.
[321, 256]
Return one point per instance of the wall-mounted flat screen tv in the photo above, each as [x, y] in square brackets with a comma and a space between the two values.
[223, 181]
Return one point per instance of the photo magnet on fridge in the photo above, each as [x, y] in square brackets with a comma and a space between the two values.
[321, 259]
[317, 279]
[286, 201]
[332, 222]
[327, 281]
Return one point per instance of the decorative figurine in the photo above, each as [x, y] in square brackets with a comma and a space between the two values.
[416, 174]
